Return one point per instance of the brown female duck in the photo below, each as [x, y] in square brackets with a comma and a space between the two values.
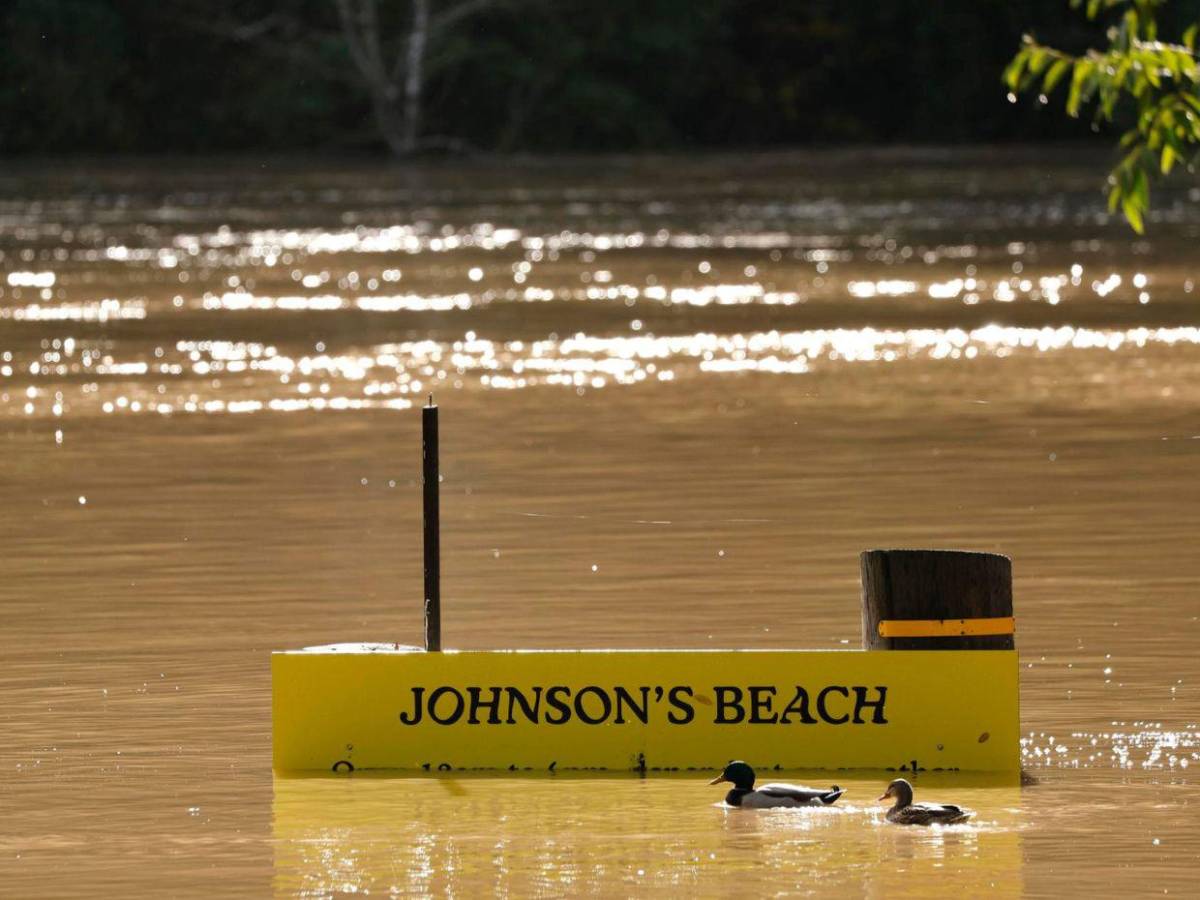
[905, 812]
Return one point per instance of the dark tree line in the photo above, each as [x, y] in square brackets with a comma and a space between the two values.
[97, 76]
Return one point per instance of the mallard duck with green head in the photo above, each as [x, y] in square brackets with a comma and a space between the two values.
[770, 796]
[905, 812]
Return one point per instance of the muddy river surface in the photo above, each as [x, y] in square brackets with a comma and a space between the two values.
[678, 397]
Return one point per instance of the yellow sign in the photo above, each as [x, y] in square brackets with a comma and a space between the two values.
[351, 707]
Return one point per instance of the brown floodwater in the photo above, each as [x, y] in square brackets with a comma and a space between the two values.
[678, 397]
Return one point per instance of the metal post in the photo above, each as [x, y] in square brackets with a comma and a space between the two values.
[433, 566]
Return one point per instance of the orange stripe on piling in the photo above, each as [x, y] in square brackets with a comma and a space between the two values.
[895, 628]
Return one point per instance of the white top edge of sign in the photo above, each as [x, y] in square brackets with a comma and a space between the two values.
[391, 649]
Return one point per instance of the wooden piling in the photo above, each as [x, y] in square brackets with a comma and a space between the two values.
[936, 600]
[433, 565]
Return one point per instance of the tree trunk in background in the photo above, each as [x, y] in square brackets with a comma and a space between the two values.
[391, 123]
[415, 74]
[397, 90]
[397, 113]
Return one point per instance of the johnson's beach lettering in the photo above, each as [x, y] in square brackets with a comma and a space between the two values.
[559, 704]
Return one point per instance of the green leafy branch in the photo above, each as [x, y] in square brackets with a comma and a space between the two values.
[1156, 83]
